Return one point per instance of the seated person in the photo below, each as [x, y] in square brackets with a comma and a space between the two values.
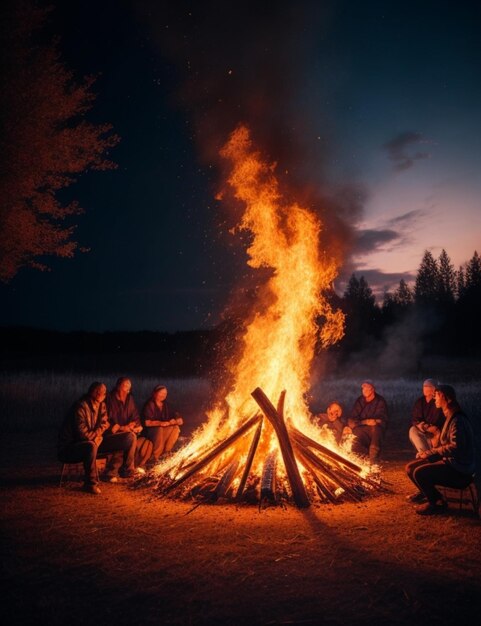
[332, 419]
[427, 420]
[161, 423]
[368, 422]
[451, 463]
[82, 436]
[124, 417]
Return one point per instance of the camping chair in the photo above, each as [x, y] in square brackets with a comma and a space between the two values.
[73, 472]
[469, 495]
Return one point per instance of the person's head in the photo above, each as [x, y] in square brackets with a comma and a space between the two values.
[159, 393]
[123, 385]
[367, 389]
[97, 392]
[429, 387]
[445, 397]
[334, 411]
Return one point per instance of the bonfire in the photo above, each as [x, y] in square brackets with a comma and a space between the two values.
[252, 450]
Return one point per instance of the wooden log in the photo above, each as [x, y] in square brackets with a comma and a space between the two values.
[324, 490]
[334, 478]
[210, 456]
[297, 486]
[250, 458]
[268, 480]
[310, 443]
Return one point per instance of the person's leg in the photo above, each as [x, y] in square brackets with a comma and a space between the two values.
[143, 451]
[429, 475]
[362, 440]
[375, 445]
[82, 452]
[120, 442]
[418, 439]
[171, 437]
[157, 437]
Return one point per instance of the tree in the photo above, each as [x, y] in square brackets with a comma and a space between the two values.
[45, 143]
[460, 282]
[446, 280]
[363, 314]
[426, 286]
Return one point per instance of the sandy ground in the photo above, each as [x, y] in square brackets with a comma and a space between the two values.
[126, 557]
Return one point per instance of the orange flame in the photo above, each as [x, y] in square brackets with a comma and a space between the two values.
[279, 342]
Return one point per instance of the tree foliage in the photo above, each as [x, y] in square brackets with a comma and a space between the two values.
[442, 311]
[46, 142]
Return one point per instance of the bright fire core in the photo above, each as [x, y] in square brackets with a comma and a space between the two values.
[279, 341]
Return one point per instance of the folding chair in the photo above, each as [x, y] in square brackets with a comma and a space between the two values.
[467, 496]
[74, 472]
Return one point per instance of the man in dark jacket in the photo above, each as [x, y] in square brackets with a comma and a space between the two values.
[427, 419]
[124, 417]
[368, 421]
[82, 436]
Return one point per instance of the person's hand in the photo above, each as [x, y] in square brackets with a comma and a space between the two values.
[421, 426]
[179, 421]
[369, 422]
[422, 454]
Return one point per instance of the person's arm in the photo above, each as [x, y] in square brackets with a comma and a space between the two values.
[82, 422]
[134, 424]
[376, 413]
[417, 414]
[356, 413]
[149, 414]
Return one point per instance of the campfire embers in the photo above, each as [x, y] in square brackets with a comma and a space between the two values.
[309, 471]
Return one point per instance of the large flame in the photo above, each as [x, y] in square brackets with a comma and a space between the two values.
[279, 342]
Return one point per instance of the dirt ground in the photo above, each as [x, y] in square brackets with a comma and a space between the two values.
[126, 557]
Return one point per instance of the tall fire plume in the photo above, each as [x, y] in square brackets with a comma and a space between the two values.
[279, 342]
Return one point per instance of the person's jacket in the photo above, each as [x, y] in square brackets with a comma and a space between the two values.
[83, 422]
[456, 443]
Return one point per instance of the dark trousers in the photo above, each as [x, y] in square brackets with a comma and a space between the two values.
[368, 441]
[427, 474]
[86, 452]
[143, 452]
[122, 447]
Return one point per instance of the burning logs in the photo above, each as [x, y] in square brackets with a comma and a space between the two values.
[297, 486]
[215, 452]
[327, 476]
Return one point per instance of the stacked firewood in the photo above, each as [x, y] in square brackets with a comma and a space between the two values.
[327, 477]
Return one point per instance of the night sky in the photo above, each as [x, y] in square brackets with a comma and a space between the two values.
[370, 109]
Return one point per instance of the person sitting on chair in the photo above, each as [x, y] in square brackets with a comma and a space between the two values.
[82, 436]
[124, 418]
[162, 424]
[368, 421]
[427, 419]
[451, 462]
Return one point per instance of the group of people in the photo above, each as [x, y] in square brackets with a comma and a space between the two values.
[440, 432]
[367, 422]
[110, 423]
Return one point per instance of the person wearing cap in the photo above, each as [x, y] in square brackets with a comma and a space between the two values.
[161, 422]
[368, 422]
[451, 462]
[427, 419]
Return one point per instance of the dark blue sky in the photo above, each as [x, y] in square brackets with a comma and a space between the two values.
[372, 106]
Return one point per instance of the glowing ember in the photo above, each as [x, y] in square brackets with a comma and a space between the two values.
[278, 344]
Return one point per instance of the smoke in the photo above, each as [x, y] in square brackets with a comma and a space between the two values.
[252, 62]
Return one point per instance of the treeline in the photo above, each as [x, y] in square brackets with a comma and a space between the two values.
[440, 314]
